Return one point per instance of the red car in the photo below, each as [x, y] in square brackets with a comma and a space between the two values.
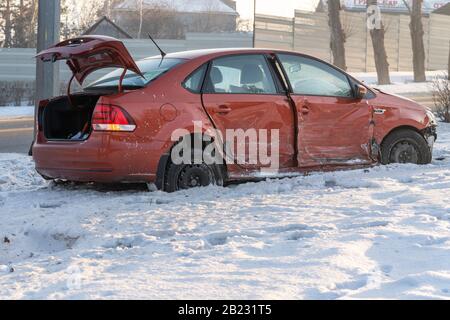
[121, 127]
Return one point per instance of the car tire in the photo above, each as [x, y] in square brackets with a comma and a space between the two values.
[188, 176]
[405, 146]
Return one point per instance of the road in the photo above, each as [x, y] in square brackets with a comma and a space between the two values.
[16, 135]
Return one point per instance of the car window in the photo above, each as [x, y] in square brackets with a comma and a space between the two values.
[245, 74]
[195, 80]
[311, 77]
[151, 68]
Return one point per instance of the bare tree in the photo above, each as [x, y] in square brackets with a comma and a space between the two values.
[338, 36]
[208, 20]
[18, 23]
[377, 34]
[7, 28]
[441, 97]
[418, 48]
[349, 26]
[158, 20]
[25, 24]
[19, 16]
[81, 15]
[141, 18]
[107, 8]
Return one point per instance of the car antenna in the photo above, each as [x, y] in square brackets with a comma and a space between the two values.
[163, 54]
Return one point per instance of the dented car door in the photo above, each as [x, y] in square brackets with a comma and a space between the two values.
[334, 127]
[240, 93]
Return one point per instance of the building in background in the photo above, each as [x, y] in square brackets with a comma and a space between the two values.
[172, 19]
[105, 27]
[397, 6]
[445, 10]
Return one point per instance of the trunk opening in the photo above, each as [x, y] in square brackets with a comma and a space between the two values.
[62, 120]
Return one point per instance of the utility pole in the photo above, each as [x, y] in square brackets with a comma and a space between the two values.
[47, 74]
[254, 24]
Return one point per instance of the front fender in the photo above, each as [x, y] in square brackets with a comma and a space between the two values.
[391, 113]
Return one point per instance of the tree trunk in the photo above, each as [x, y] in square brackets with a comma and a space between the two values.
[141, 18]
[33, 23]
[379, 50]
[448, 72]
[8, 25]
[107, 8]
[337, 34]
[416, 28]
[20, 26]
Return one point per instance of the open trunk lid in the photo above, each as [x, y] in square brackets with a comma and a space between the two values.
[86, 54]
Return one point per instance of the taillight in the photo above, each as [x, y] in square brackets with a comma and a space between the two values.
[111, 118]
[40, 114]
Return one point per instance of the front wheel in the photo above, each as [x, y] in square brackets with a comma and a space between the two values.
[405, 146]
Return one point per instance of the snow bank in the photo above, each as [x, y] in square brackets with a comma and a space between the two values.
[407, 88]
[16, 112]
[402, 82]
[376, 233]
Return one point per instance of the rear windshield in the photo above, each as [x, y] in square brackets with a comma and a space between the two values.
[150, 68]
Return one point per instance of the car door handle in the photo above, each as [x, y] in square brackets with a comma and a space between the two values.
[379, 111]
[222, 109]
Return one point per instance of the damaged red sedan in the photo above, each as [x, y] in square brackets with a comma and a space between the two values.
[120, 128]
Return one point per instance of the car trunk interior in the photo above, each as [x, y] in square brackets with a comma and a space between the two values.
[65, 119]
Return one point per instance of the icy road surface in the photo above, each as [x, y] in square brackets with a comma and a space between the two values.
[377, 233]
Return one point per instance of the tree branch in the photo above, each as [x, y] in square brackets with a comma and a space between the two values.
[407, 5]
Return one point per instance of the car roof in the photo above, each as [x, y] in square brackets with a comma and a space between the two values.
[193, 54]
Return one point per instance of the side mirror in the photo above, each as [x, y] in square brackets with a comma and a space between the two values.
[360, 91]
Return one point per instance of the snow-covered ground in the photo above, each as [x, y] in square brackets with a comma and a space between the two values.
[402, 82]
[16, 112]
[377, 233]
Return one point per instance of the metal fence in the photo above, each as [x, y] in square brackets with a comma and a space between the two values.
[309, 33]
[18, 66]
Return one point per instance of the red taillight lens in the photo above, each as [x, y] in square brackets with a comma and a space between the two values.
[111, 118]
[40, 114]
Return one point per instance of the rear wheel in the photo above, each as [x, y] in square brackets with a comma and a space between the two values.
[195, 174]
[188, 176]
[405, 146]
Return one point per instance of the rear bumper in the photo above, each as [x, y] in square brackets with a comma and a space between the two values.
[104, 157]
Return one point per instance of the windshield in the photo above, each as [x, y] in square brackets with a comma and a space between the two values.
[150, 68]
